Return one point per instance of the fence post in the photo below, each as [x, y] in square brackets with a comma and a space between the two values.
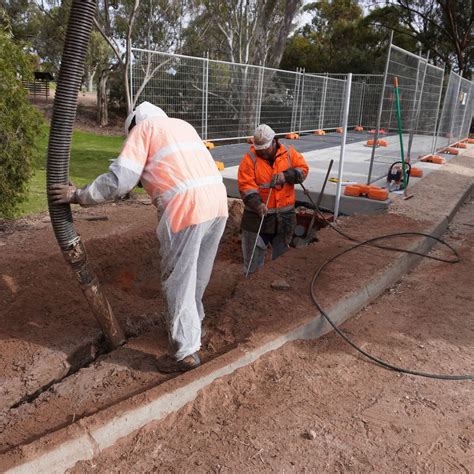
[301, 100]
[205, 94]
[323, 103]
[414, 121]
[294, 111]
[436, 126]
[453, 115]
[362, 97]
[347, 101]
[131, 78]
[379, 116]
[468, 98]
[258, 113]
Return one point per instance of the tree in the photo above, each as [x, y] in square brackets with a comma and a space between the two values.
[150, 24]
[444, 27]
[243, 31]
[339, 39]
[20, 126]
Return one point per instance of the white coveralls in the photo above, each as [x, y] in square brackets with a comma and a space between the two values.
[178, 172]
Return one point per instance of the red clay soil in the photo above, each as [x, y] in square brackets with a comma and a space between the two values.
[47, 332]
[317, 406]
[54, 369]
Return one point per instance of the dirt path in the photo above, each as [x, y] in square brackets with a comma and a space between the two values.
[316, 406]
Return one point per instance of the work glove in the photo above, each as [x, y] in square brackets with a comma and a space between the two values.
[261, 209]
[277, 179]
[63, 193]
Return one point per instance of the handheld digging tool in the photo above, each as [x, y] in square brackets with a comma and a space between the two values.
[298, 241]
[258, 235]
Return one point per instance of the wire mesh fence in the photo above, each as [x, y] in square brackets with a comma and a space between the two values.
[420, 87]
[456, 114]
[226, 101]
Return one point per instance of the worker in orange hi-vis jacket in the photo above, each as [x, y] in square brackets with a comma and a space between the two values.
[177, 171]
[268, 172]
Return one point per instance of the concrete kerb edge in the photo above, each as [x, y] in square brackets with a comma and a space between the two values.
[83, 443]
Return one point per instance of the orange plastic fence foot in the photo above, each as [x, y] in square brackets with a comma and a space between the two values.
[319, 132]
[416, 172]
[209, 145]
[359, 128]
[292, 136]
[369, 190]
[339, 130]
[379, 143]
[436, 159]
[220, 165]
[451, 151]
[460, 145]
[250, 140]
[470, 141]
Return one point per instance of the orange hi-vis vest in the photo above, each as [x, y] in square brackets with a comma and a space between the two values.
[176, 170]
[255, 175]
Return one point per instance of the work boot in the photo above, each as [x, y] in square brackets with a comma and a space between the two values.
[169, 365]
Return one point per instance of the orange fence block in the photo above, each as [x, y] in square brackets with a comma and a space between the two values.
[292, 136]
[416, 172]
[359, 128]
[470, 141]
[220, 165]
[339, 130]
[369, 190]
[436, 159]
[451, 151]
[319, 132]
[460, 145]
[250, 140]
[209, 145]
[379, 143]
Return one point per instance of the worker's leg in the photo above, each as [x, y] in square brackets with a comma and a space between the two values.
[279, 246]
[248, 242]
[207, 255]
[179, 256]
[286, 227]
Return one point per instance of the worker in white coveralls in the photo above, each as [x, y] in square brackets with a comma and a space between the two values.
[177, 171]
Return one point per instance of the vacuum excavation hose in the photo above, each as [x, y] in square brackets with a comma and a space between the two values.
[59, 147]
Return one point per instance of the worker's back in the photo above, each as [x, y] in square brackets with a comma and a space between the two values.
[179, 175]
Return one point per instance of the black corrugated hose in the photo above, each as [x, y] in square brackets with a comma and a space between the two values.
[59, 147]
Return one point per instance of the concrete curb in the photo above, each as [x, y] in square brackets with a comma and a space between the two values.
[60, 450]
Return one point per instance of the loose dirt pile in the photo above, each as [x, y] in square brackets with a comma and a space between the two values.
[317, 406]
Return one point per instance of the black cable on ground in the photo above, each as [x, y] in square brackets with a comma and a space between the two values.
[371, 242]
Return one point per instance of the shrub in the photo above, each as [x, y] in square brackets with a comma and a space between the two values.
[20, 126]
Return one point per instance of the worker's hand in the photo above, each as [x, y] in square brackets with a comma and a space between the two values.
[277, 179]
[261, 210]
[63, 193]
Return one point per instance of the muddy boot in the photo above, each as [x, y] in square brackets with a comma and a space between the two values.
[168, 365]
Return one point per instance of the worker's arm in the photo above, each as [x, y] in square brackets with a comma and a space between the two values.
[124, 174]
[299, 170]
[248, 186]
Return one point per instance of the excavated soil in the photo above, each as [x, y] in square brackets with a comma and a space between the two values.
[317, 406]
[56, 368]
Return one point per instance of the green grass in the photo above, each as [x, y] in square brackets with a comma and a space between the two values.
[89, 158]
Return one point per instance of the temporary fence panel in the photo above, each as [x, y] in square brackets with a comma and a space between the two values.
[174, 83]
[456, 114]
[420, 89]
[233, 92]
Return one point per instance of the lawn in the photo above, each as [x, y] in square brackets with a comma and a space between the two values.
[89, 158]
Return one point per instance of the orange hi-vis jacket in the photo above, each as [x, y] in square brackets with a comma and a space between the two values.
[175, 168]
[255, 175]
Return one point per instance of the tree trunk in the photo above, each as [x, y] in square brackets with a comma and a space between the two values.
[102, 100]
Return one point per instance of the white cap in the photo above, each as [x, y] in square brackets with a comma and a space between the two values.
[263, 137]
[143, 112]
